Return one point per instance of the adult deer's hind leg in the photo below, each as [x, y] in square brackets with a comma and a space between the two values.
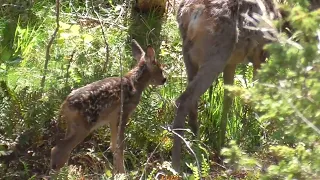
[217, 47]
[259, 57]
[193, 113]
[192, 70]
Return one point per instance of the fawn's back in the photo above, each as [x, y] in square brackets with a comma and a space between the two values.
[97, 104]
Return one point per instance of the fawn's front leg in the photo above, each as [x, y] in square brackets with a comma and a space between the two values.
[117, 144]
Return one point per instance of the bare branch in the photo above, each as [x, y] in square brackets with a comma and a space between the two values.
[297, 112]
[318, 33]
[69, 64]
[45, 69]
[169, 128]
[121, 99]
[121, 122]
[104, 20]
[105, 42]
[145, 167]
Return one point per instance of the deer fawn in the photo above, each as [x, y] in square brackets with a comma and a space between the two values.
[97, 104]
[214, 41]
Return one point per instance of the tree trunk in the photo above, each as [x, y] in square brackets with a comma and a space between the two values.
[146, 22]
[149, 5]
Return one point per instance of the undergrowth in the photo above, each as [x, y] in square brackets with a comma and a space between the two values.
[92, 43]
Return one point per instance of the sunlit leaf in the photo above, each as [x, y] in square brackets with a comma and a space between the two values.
[75, 29]
[87, 38]
[64, 26]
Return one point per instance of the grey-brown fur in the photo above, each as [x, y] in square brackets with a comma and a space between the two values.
[214, 40]
[98, 104]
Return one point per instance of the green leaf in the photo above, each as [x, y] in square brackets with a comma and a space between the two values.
[64, 26]
[75, 30]
[87, 38]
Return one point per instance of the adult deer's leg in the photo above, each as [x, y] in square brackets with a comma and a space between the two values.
[193, 113]
[193, 118]
[218, 47]
[228, 78]
[259, 57]
[192, 70]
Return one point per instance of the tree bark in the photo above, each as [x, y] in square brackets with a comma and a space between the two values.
[149, 5]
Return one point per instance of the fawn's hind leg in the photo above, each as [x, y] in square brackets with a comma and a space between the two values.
[77, 131]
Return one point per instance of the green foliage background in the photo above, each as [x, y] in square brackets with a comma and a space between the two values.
[278, 140]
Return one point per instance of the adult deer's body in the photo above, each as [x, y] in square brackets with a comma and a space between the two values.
[214, 41]
[98, 104]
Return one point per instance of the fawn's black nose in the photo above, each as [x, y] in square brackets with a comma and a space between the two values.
[164, 80]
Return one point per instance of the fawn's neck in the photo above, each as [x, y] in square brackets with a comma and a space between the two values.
[140, 76]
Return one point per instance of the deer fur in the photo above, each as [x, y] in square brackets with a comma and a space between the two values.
[98, 104]
[214, 40]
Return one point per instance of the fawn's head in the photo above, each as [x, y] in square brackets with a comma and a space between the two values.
[148, 57]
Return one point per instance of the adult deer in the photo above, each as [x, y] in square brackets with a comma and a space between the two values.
[99, 103]
[214, 41]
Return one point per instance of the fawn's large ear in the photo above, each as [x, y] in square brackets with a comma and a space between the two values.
[137, 51]
[151, 53]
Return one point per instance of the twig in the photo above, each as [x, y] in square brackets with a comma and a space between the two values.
[45, 69]
[128, 7]
[87, 6]
[106, 21]
[297, 112]
[116, 154]
[301, 116]
[69, 64]
[145, 167]
[168, 128]
[105, 42]
[318, 33]
[144, 21]
[121, 94]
